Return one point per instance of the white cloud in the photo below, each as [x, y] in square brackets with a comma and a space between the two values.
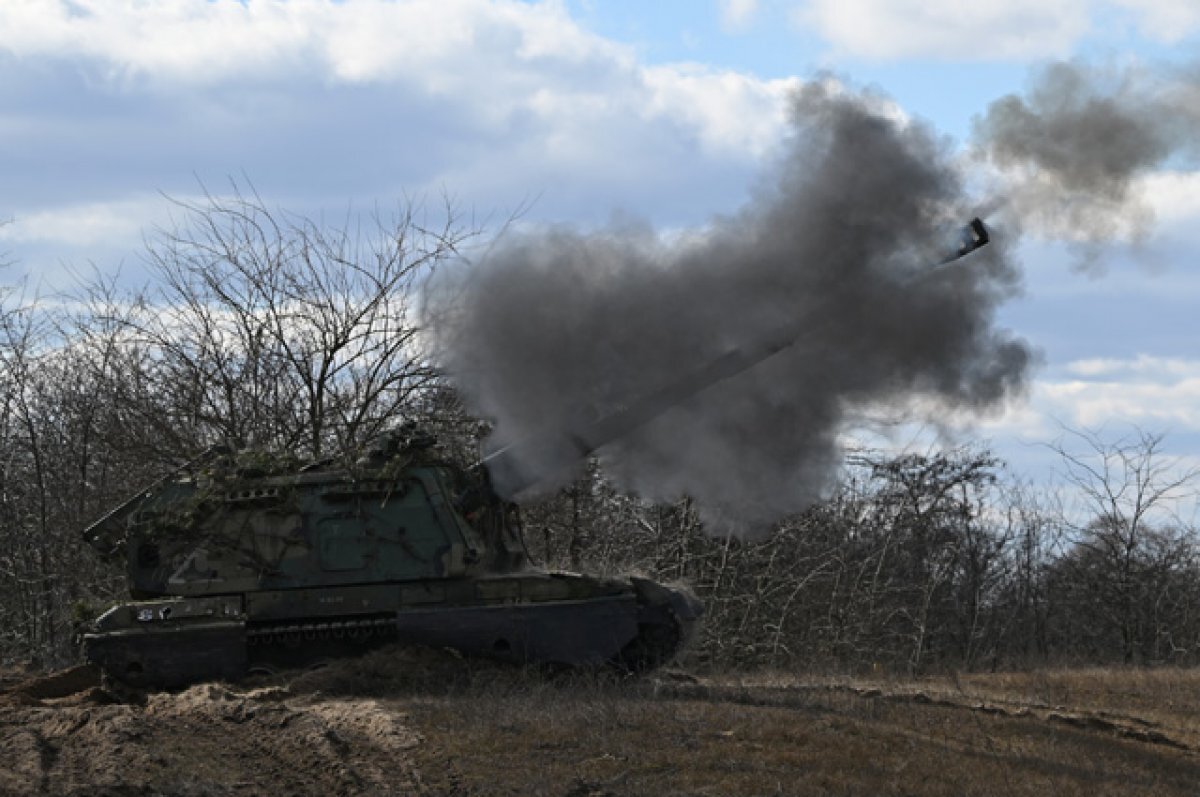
[1013, 30]
[737, 15]
[443, 42]
[499, 62]
[87, 224]
[732, 112]
[1173, 196]
[320, 102]
[1143, 366]
[1157, 393]
[1166, 20]
[1093, 403]
[951, 29]
[200, 41]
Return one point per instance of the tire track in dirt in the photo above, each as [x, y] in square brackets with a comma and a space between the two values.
[808, 697]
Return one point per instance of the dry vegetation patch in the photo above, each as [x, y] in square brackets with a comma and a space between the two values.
[779, 735]
[411, 722]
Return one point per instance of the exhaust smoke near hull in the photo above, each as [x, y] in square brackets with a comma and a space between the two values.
[558, 329]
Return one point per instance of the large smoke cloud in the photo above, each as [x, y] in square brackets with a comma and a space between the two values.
[555, 328]
[1071, 150]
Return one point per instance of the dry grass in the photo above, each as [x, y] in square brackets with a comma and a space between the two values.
[410, 722]
[1166, 690]
[782, 735]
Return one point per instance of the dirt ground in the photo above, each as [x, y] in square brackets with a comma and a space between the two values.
[67, 735]
[410, 722]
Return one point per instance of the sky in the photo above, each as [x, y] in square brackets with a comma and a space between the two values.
[579, 113]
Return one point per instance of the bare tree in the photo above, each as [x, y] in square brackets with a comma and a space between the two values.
[1128, 545]
[273, 331]
[1032, 520]
[22, 506]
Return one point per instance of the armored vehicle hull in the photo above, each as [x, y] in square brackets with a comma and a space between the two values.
[235, 571]
[551, 618]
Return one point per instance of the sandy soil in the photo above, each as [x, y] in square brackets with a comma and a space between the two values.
[66, 735]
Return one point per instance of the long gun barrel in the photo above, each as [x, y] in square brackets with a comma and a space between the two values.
[505, 465]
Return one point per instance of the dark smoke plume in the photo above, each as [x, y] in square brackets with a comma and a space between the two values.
[1071, 150]
[556, 328]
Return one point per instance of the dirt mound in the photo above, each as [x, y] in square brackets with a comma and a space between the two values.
[342, 728]
[64, 735]
[64, 683]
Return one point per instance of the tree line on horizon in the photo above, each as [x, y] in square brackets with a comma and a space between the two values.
[270, 332]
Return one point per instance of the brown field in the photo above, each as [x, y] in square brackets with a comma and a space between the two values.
[423, 723]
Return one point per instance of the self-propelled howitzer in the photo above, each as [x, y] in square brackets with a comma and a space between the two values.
[236, 566]
[236, 569]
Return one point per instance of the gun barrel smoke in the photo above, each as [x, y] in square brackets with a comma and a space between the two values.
[1072, 149]
[505, 465]
[557, 329]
